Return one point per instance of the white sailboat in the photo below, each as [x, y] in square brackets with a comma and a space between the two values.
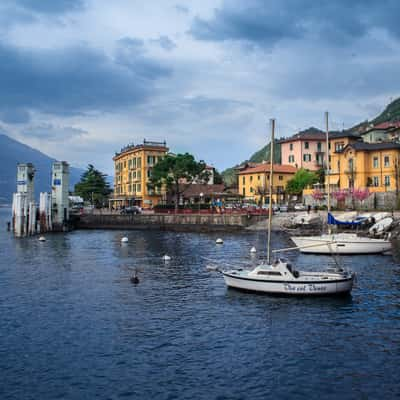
[341, 243]
[279, 277]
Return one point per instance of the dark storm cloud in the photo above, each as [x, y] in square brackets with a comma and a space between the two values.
[75, 80]
[47, 6]
[52, 132]
[265, 23]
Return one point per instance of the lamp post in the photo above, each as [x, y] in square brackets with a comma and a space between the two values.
[200, 200]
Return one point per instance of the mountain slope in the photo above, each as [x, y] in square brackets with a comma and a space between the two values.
[13, 152]
[229, 175]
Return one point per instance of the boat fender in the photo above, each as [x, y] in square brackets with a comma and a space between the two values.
[296, 274]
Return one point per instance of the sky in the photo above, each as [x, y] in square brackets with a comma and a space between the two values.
[79, 79]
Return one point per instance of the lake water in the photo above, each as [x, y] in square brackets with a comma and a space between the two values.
[73, 326]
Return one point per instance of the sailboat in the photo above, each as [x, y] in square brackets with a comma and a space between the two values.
[279, 276]
[340, 243]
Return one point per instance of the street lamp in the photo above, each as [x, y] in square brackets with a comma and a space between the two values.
[200, 201]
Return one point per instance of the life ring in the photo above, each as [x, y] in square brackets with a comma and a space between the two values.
[296, 274]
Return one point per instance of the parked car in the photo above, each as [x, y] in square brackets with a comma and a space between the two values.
[131, 210]
[280, 208]
[300, 207]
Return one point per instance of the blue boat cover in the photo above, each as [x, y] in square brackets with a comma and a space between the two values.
[333, 221]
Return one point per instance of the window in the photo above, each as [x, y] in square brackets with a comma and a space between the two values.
[134, 163]
[244, 192]
[130, 176]
[251, 190]
[280, 177]
[134, 174]
[375, 162]
[386, 161]
[339, 146]
[306, 157]
[139, 162]
[291, 158]
[319, 146]
[139, 187]
[387, 180]
[375, 181]
[150, 160]
[134, 187]
[251, 178]
[129, 163]
[244, 180]
[280, 189]
[271, 273]
[306, 145]
[124, 164]
[291, 146]
[351, 165]
[129, 188]
[258, 177]
[149, 173]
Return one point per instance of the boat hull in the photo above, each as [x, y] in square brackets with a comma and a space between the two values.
[290, 288]
[341, 246]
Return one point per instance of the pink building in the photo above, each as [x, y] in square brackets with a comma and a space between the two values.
[305, 149]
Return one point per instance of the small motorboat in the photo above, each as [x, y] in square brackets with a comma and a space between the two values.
[280, 278]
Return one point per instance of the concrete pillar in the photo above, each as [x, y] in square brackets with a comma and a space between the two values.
[59, 193]
[45, 212]
[19, 224]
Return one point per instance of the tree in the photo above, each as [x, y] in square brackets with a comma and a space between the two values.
[218, 179]
[93, 186]
[300, 181]
[177, 172]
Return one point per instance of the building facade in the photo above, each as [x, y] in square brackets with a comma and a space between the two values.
[254, 183]
[372, 165]
[132, 172]
[304, 150]
[337, 142]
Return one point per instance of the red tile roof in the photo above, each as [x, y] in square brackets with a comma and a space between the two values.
[387, 125]
[288, 169]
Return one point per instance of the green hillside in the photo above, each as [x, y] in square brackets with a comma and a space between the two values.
[390, 113]
[229, 176]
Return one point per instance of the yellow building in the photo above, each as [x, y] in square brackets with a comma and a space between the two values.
[254, 182]
[132, 166]
[372, 165]
[337, 142]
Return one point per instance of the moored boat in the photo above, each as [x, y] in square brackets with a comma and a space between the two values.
[280, 278]
[341, 243]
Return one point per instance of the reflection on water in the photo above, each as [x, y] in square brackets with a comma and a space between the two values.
[73, 326]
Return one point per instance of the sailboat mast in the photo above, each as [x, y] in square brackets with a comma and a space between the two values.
[328, 167]
[271, 171]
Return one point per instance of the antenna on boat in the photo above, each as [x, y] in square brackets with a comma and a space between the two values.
[271, 171]
[328, 189]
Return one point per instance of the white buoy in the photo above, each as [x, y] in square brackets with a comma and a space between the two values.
[42, 239]
[124, 240]
[166, 257]
[219, 241]
[253, 250]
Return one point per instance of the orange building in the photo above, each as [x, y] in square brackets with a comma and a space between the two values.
[254, 182]
[133, 165]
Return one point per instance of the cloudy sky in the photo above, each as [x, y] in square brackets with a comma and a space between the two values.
[81, 78]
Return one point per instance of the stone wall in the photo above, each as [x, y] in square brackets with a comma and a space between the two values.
[179, 222]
